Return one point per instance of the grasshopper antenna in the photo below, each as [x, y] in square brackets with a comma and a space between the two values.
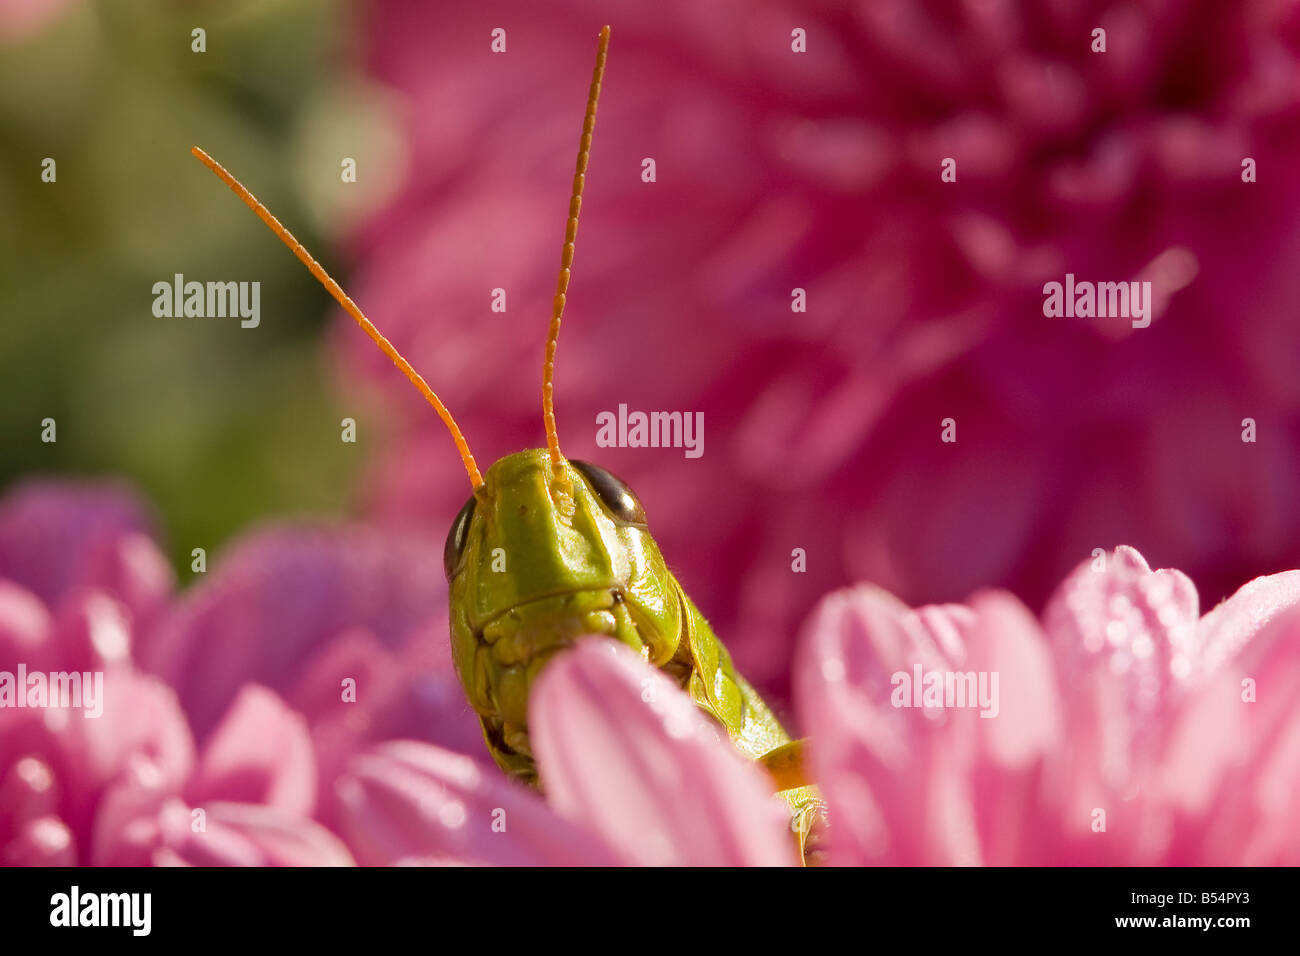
[566, 258]
[351, 308]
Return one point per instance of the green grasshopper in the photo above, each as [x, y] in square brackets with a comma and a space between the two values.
[584, 563]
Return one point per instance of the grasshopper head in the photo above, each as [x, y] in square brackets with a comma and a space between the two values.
[538, 557]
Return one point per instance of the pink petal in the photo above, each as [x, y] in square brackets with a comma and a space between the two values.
[411, 694]
[242, 834]
[139, 825]
[24, 627]
[1228, 630]
[1006, 640]
[133, 570]
[142, 721]
[1132, 620]
[1233, 763]
[356, 655]
[59, 535]
[892, 777]
[1024, 727]
[259, 753]
[622, 749]
[1126, 643]
[283, 594]
[1220, 737]
[92, 631]
[407, 801]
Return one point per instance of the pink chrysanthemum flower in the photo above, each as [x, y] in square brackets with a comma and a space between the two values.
[1124, 727]
[1127, 729]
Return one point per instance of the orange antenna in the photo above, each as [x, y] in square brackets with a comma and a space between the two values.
[350, 307]
[566, 259]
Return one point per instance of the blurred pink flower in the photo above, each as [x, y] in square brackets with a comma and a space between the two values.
[246, 745]
[56, 537]
[78, 578]
[820, 171]
[634, 774]
[1182, 729]
[348, 625]
[81, 582]
[247, 800]
[55, 765]
[302, 647]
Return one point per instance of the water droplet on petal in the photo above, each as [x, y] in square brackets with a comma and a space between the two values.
[35, 774]
[452, 815]
[833, 670]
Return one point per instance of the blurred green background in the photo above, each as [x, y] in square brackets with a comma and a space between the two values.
[215, 424]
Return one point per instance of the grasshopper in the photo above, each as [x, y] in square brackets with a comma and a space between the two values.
[582, 561]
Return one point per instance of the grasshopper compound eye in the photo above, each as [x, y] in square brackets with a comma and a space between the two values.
[454, 549]
[613, 492]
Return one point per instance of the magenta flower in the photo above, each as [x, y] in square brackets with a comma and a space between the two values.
[1127, 728]
[779, 170]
